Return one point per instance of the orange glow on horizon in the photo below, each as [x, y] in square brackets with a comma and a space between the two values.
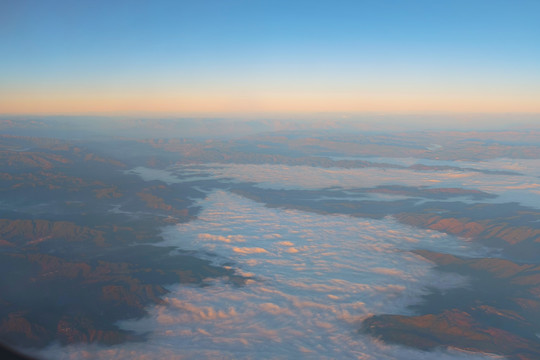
[49, 104]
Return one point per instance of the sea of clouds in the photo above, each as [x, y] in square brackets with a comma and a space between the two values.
[313, 279]
[523, 187]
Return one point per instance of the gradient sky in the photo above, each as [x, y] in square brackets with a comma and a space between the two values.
[255, 57]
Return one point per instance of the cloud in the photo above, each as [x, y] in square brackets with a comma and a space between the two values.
[299, 302]
[286, 243]
[275, 309]
[307, 177]
[388, 271]
[272, 236]
[247, 250]
[509, 188]
[227, 239]
[149, 174]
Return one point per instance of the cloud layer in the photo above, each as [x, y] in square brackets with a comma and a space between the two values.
[314, 279]
[524, 188]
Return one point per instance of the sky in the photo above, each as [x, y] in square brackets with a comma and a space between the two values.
[269, 57]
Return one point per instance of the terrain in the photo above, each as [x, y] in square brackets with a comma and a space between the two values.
[82, 221]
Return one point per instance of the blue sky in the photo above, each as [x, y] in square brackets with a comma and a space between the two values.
[269, 56]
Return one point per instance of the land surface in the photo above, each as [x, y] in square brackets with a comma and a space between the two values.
[78, 229]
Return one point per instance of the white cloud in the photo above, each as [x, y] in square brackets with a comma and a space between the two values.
[249, 250]
[302, 304]
[509, 188]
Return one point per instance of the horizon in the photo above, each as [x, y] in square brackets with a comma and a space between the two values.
[245, 125]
